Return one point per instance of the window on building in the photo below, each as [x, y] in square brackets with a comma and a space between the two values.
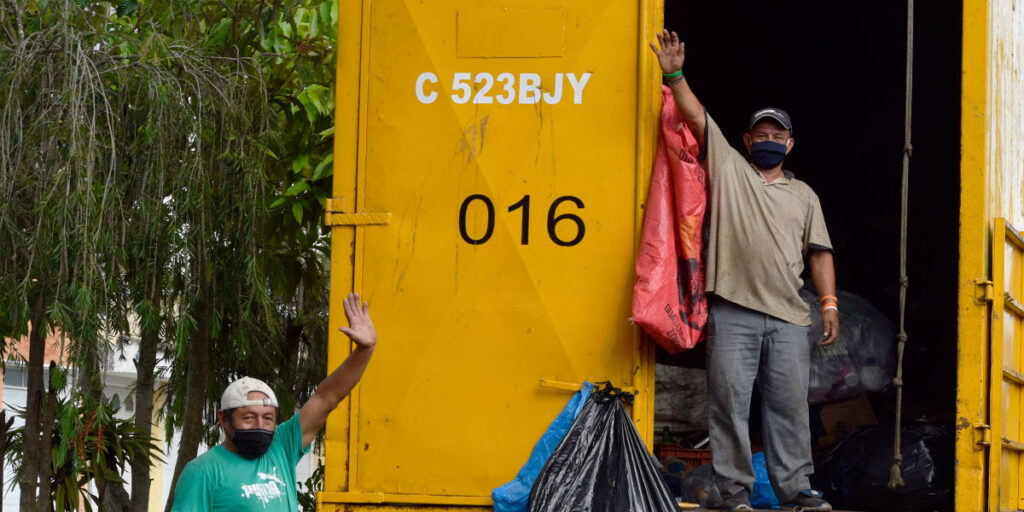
[16, 376]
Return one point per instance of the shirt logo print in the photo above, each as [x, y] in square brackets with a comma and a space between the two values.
[264, 491]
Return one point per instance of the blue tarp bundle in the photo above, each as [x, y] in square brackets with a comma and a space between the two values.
[515, 495]
[763, 495]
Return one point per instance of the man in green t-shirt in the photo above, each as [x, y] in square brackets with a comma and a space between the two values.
[254, 468]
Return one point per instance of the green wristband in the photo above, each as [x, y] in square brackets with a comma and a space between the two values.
[673, 75]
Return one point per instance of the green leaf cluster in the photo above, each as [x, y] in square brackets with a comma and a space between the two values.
[91, 445]
[164, 166]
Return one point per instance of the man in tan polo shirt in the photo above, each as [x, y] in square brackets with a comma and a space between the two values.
[763, 223]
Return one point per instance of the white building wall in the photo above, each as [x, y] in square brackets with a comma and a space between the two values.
[16, 396]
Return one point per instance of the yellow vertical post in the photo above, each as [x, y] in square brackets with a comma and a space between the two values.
[972, 318]
[997, 415]
[652, 16]
[346, 154]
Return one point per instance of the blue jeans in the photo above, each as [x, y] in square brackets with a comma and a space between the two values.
[744, 347]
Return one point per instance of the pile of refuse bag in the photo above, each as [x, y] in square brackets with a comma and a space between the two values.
[592, 458]
[697, 485]
[863, 357]
[854, 452]
[855, 473]
[600, 463]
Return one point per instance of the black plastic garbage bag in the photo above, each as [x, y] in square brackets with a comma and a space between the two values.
[855, 474]
[863, 357]
[601, 465]
[698, 486]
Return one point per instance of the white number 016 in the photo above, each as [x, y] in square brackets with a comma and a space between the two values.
[528, 92]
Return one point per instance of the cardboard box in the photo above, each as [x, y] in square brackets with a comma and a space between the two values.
[841, 418]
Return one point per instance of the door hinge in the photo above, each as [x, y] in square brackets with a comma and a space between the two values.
[985, 433]
[985, 290]
[335, 215]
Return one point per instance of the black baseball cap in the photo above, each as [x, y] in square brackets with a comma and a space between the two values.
[777, 114]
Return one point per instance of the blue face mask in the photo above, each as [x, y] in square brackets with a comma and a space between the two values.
[768, 154]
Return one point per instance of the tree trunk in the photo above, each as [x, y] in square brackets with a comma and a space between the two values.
[33, 408]
[46, 445]
[144, 398]
[195, 390]
[90, 384]
[115, 499]
[290, 368]
[293, 335]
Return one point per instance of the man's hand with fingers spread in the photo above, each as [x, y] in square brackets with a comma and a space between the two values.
[672, 54]
[340, 382]
[360, 328]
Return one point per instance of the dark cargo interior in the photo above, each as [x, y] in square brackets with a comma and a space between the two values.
[838, 68]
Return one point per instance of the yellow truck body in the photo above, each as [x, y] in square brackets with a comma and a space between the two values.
[990, 334]
[491, 162]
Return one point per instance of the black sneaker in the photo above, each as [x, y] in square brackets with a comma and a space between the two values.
[808, 500]
[738, 507]
[738, 503]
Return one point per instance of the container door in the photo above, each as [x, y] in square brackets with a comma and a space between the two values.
[1006, 396]
[990, 370]
[499, 153]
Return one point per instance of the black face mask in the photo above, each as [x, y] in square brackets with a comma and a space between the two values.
[252, 443]
[767, 154]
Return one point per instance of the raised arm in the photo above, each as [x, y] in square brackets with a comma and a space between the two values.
[671, 58]
[340, 382]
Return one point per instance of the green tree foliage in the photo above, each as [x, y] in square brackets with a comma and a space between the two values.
[90, 446]
[165, 163]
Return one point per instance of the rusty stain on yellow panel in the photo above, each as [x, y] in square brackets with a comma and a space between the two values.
[511, 32]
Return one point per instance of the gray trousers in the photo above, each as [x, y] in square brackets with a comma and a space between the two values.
[743, 346]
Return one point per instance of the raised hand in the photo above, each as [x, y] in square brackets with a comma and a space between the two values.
[360, 328]
[672, 53]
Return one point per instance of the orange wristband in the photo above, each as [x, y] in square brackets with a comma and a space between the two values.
[826, 297]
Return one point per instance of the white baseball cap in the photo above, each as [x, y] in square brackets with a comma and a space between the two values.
[237, 394]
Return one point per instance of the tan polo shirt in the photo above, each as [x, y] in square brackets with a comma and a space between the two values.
[759, 233]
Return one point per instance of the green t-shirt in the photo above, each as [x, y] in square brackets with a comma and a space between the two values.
[223, 480]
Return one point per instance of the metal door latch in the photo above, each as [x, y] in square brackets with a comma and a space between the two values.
[335, 216]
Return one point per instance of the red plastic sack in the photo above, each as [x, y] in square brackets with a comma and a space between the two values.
[669, 302]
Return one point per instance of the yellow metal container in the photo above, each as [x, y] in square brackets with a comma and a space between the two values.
[490, 164]
[989, 437]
